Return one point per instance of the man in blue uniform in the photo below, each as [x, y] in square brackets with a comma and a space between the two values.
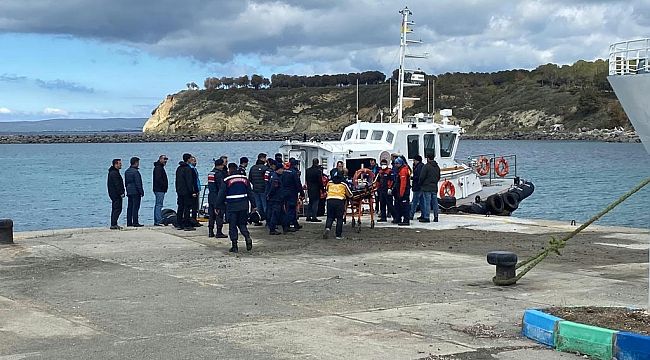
[275, 200]
[236, 194]
[215, 181]
[292, 189]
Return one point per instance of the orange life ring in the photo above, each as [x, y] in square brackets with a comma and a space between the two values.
[501, 167]
[447, 189]
[363, 171]
[483, 166]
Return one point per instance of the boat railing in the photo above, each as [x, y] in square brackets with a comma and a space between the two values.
[629, 57]
[510, 160]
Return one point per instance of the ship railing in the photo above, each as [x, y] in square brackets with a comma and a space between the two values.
[629, 57]
[511, 159]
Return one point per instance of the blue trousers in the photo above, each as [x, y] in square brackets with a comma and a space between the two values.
[260, 204]
[157, 209]
[277, 216]
[430, 200]
[417, 200]
[292, 216]
[237, 220]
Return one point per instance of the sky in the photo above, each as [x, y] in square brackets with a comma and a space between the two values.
[120, 58]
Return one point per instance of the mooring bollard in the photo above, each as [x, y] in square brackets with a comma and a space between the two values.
[6, 231]
[505, 262]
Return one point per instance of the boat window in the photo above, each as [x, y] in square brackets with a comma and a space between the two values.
[429, 145]
[363, 134]
[348, 135]
[447, 141]
[376, 135]
[389, 137]
[413, 142]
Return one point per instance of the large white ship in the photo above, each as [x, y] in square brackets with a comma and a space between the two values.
[629, 75]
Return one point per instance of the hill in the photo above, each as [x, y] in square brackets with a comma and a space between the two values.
[577, 96]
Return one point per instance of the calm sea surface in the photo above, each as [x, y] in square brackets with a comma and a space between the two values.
[53, 186]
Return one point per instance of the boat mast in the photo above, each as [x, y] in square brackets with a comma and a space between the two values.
[405, 29]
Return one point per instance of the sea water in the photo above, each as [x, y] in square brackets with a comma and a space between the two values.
[52, 186]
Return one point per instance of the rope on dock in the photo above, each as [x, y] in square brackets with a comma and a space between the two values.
[556, 244]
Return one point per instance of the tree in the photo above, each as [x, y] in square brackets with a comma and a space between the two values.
[257, 81]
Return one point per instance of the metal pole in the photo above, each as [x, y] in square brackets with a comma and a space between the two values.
[390, 97]
[428, 111]
[357, 99]
[433, 98]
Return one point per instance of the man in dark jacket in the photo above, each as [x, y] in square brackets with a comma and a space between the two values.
[243, 164]
[429, 178]
[216, 212]
[160, 186]
[115, 186]
[314, 180]
[257, 180]
[185, 190]
[292, 189]
[236, 194]
[275, 201]
[386, 178]
[402, 192]
[417, 193]
[134, 192]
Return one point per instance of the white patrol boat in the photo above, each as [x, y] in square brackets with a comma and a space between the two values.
[483, 175]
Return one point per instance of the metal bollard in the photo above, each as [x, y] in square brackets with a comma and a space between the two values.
[6, 231]
[505, 262]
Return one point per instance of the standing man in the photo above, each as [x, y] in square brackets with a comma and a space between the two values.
[185, 185]
[275, 201]
[236, 194]
[194, 214]
[243, 164]
[216, 212]
[417, 192]
[402, 192]
[314, 180]
[160, 186]
[257, 180]
[262, 156]
[115, 186]
[337, 192]
[385, 192]
[292, 189]
[338, 170]
[279, 159]
[429, 178]
[134, 192]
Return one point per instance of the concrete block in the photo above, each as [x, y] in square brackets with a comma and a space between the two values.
[589, 340]
[540, 326]
[631, 346]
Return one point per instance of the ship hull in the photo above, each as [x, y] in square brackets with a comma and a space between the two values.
[632, 91]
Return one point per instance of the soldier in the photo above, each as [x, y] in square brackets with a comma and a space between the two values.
[236, 194]
[275, 201]
[292, 189]
[215, 181]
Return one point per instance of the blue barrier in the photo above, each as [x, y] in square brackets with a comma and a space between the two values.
[631, 346]
[539, 326]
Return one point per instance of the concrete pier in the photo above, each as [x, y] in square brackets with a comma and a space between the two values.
[384, 293]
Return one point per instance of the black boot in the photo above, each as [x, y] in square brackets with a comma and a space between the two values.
[210, 232]
[234, 248]
[249, 244]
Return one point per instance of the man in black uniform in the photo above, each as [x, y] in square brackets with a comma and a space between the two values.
[215, 181]
[185, 189]
[257, 178]
[236, 194]
[275, 200]
[292, 189]
[314, 180]
[115, 185]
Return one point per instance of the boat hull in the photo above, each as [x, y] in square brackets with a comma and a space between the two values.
[632, 91]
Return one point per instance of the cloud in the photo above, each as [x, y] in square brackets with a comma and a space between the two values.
[4, 110]
[12, 78]
[64, 85]
[344, 35]
[55, 112]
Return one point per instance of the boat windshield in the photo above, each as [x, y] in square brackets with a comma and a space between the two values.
[413, 142]
[348, 135]
[376, 135]
[363, 134]
[447, 141]
[429, 145]
[389, 137]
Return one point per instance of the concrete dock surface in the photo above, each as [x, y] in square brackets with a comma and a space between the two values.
[423, 292]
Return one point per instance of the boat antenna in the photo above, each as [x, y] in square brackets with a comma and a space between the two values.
[390, 99]
[404, 41]
[428, 83]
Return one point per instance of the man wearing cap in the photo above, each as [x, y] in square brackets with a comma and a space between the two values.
[402, 192]
[160, 186]
[292, 188]
[216, 213]
[417, 189]
[236, 194]
[275, 200]
[257, 178]
[243, 164]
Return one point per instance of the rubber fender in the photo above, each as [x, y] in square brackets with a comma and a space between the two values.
[517, 192]
[503, 258]
[495, 204]
[510, 201]
[447, 202]
[169, 220]
[167, 211]
[527, 188]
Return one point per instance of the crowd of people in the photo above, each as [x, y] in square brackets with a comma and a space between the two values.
[269, 193]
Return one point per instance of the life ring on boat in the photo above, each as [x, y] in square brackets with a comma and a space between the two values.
[501, 167]
[447, 189]
[363, 171]
[483, 166]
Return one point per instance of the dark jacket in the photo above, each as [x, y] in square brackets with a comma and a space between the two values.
[334, 172]
[215, 181]
[236, 193]
[160, 182]
[115, 183]
[429, 177]
[416, 176]
[314, 180]
[274, 188]
[133, 182]
[386, 178]
[185, 182]
[291, 185]
[256, 177]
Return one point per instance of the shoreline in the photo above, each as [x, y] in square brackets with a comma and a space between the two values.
[592, 135]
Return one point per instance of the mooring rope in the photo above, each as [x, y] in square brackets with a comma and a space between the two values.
[556, 244]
